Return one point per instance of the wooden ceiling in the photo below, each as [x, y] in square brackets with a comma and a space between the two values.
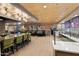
[52, 14]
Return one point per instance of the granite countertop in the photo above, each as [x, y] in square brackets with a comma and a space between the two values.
[72, 47]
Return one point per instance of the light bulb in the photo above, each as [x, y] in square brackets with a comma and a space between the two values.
[76, 15]
[44, 6]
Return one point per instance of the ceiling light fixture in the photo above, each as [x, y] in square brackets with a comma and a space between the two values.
[45, 6]
[76, 15]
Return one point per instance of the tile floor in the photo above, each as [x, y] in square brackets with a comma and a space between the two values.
[39, 46]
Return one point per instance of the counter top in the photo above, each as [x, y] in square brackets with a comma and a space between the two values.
[71, 47]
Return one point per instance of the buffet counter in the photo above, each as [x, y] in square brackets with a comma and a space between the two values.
[71, 37]
[67, 47]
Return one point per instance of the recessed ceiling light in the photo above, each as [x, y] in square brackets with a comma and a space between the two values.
[44, 6]
[76, 15]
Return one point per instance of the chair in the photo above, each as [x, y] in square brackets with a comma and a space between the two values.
[7, 46]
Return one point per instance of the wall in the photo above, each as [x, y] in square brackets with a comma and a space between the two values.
[74, 14]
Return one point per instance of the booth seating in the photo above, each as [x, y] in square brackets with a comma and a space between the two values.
[41, 33]
[10, 45]
[33, 32]
[28, 37]
[22, 40]
[18, 42]
[7, 46]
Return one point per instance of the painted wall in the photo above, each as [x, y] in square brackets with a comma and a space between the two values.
[74, 14]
